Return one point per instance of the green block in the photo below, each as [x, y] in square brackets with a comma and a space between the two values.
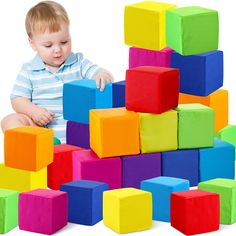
[196, 126]
[192, 30]
[226, 188]
[158, 132]
[8, 210]
[56, 141]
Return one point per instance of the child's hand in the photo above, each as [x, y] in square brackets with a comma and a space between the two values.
[102, 78]
[42, 116]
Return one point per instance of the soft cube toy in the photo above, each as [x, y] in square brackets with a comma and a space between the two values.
[8, 210]
[80, 96]
[144, 24]
[192, 30]
[114, 132]
[84, 201]
[195, 126]
[33, 147]
[127, 210]
[56, 141]
[200, 74]
[43, 211]
[152, 89]
[118, 94]
[161, 189]
[195, 211]
[88, 166]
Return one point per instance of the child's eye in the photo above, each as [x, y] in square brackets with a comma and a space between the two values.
[47, 46]
[64, 42]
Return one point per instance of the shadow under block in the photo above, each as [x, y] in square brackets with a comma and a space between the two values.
[144, 24]
[127, 210]
[80, 96]
[61, 170]
[114, 132]
[84, 201]
[192, 30]
[152, 89]
[217, 100]
[200, 74]
[196, 126]
[33, 148]
[43, 211]
[226, 188]
[195, 211]
[182, 164]
[161, 189]
[158, 132]
[22, 180]
[118, 94]
[136, 168]
[217, 162]
[8, 210]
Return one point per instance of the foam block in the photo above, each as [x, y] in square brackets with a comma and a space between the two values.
[127, 210]
[33, 148]
[182, 164]
[85, 201]
[136, 168]
[144, 24]
[118, 94]
[161, 189]
[88, 166]
[43, 211]
[56, 141]
[195, 211]
[163, 133]
[217, 100]
[192, 30]
[152, 89]
[80, 96]
[8, 210]
[196, 126]
[114, 132]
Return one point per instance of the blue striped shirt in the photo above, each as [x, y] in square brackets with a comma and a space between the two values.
[44, 87]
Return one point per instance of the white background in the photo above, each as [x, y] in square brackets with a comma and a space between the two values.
[97, 31]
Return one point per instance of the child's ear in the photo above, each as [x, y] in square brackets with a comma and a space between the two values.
[31, 42]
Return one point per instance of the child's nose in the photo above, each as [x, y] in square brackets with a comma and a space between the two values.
[57, 48]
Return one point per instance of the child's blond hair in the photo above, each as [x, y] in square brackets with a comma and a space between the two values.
[46, 15]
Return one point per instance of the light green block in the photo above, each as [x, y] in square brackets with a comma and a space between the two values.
[8, 210]
[192, 30]
[56, 141]
[195, 126]
[158, 132]
[226, 188]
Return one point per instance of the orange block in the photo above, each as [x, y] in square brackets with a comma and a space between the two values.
[114, 132]
[217, 100]
[28, 148]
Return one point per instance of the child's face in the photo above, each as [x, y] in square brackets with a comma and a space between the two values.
[53, 48]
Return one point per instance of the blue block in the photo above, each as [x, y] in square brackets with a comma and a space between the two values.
[181, 164]
[80, 96]
[217, 162]
[118, 93]
[161, 189]
[200, 74]
[84, 201]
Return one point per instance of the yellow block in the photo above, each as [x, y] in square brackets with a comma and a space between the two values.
[22, 180]
[127, 210]
[28, 148]
[217, 100]
[144, 24]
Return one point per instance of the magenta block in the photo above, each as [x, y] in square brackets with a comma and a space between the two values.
[145, 57]
[43, 211]
[88, 166]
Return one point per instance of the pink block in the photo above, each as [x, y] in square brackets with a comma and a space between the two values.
[88, 166]
[145, 57]
[43, 211]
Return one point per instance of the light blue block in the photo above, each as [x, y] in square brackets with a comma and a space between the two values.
[161, 189]
[80, 96]
[217, 161]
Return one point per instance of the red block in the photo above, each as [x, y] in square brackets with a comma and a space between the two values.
[152, 89]
[195, 211]
[61, 170]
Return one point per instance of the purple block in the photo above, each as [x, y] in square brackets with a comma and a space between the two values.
[145, 57]
[140, 167]
[77, 134]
